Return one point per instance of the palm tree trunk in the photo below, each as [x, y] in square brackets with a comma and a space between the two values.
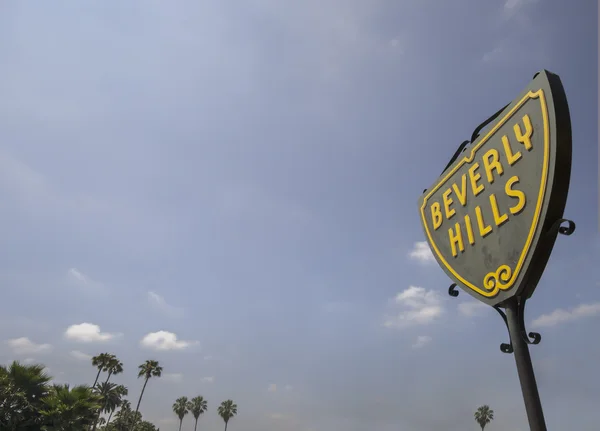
[109, 374]
[196, 424]
[97, 375]
[225, 425]
[139, 401]
[180, 422]
[110, 416]
[97, 419]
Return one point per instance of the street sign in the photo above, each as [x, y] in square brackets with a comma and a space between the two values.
[490, 218]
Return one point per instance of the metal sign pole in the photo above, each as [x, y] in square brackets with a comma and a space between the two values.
[519, 341]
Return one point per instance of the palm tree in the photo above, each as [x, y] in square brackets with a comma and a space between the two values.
[197, 406]
[14, 407]
[122, 392]
[483, 416]
[180, 408]
[100, 361]
[125, 407]
[110, 395]
[113, 366]
[22, 389]
[147, 370]
[125, 419]
[146, 426]
[227, 410]
[30, 379]
[68, 409]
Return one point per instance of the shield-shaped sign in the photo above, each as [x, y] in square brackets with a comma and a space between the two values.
[488, 218]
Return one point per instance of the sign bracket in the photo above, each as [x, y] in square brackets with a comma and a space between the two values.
[474, 136]
[520, 316]
[557, 227]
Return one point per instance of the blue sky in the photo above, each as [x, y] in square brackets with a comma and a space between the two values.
[244, 178]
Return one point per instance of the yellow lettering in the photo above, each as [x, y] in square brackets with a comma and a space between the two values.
[498, 219]
[462, 193]
[447, 202]
[436, 215]
[483, 229]
[469, 227]
[510, 156]
[456, 239]
[524, 138]
[513, 193]
[474, 177]
[491, 161]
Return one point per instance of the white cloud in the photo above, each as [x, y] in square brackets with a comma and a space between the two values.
[288, 387]
[28, 361]
[421, 341]
[208, 379]
[22, 182]
[164, 340]
[80, 355]
[172, 377]
[210, 358]
[472, 308]
[87, 333]
[512, 6]
[272, 387]
[397, 45]
[418, 306]
[77, 276]
[158, 303]
[562, 316]
[24, 346]
[422, 253]
[79, 279]
[515, 11]
[494, 54]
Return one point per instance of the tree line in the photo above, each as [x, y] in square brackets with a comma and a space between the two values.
[30, 401]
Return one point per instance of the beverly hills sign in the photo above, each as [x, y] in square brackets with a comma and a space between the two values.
[488, 218]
